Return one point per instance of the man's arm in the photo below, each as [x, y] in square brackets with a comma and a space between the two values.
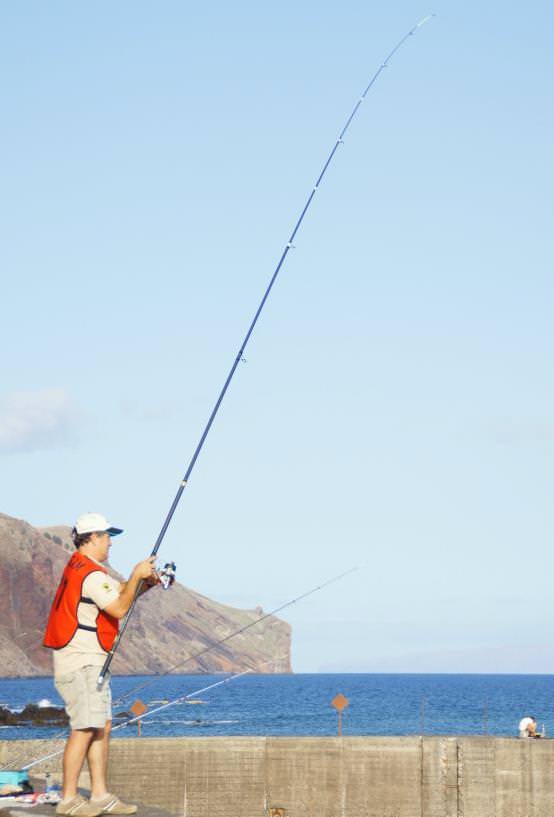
[142, 572]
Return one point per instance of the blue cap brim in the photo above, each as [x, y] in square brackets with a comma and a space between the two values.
[114, 531]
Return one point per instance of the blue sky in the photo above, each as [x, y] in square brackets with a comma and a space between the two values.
[395, 409]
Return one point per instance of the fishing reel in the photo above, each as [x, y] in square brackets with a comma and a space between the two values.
[166, 574]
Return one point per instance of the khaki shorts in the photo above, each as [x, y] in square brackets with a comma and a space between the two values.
[88, 706]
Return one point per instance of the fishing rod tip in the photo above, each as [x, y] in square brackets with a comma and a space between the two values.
[425, 19]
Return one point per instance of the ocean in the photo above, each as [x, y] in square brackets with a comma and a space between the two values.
[392, 704]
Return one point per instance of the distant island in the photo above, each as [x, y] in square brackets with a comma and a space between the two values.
[166, 627]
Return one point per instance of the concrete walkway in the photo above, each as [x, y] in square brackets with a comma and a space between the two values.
[12, 808]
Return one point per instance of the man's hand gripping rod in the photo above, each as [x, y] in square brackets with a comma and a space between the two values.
[166, 577]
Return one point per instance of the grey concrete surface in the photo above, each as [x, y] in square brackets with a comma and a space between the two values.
[12, 809]
[323, 777]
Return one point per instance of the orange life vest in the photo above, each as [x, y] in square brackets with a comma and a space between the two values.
[63, 622]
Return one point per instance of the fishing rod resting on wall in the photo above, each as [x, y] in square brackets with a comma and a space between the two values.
[181, 699]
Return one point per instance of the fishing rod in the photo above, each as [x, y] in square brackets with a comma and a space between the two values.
[175, 701]
[226, 638]
[240, 353]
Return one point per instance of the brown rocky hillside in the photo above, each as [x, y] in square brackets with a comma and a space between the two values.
[166, 627]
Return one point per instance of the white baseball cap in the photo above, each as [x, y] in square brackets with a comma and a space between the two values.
[95, 523]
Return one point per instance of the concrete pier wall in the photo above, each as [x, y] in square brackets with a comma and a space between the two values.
[328, 777]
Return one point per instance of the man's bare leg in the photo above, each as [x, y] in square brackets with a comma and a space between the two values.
[97, 758]
[107, 731]
[98, 764]
[74, 755]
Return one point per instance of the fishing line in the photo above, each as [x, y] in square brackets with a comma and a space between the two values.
[226, 638]
[239, 356]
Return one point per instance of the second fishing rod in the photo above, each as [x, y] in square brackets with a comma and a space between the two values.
[240, 353]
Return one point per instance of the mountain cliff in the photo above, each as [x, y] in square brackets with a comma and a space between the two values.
[165, 628]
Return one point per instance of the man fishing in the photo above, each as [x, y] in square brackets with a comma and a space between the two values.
[82, 627]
